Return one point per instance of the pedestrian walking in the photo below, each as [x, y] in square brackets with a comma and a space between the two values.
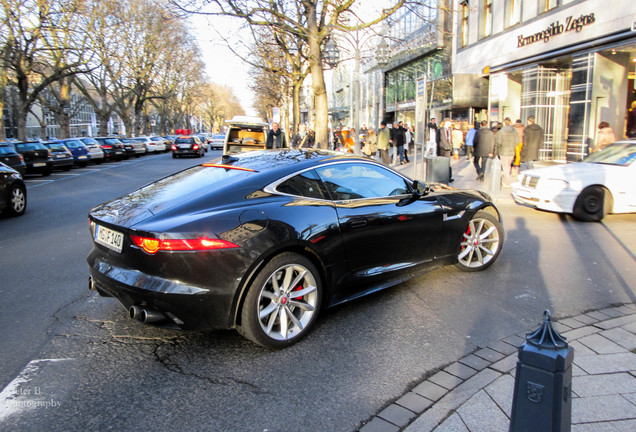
[410, 134]
[484, 146]
[506, 141]
[470, 138]
[400, 140]
[457, 138]
[604, 136]
[275, 137]
[533, 138]
[519, 127]
[372, 142]
[384, 137]
[445, 144]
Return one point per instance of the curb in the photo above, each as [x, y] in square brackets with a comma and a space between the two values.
[442, 392]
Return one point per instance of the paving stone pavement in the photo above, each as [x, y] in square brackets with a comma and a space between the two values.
[474, 393]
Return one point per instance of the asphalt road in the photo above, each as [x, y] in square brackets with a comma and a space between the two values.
[79, 363]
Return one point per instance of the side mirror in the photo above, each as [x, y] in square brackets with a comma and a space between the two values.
[419, 189]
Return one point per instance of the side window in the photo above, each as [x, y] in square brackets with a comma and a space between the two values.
[349, 181]
[306, 184]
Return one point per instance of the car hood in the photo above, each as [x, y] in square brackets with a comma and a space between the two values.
[573, 171]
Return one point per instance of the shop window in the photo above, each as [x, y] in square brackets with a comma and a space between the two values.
[486, 18]
[512, 13]
[463, 30]
[546, 5]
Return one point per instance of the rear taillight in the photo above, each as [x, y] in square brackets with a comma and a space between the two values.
[153, 245]
[107, 146]
[174, 147]
[195, 147]
[21, 157]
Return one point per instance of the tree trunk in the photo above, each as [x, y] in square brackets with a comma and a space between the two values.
[318, 82]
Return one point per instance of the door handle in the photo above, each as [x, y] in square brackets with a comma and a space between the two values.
[358, 223]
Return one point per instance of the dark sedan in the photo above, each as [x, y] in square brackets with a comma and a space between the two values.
[36, 157]
[112, 147]
[12, 158]
[13, 195]
[261, 241]
[188, 145]
[61, 157]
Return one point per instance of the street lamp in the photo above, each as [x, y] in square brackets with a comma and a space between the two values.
[331, 54]
[382, 53]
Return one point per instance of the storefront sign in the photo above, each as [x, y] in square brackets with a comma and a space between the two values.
[557, 28]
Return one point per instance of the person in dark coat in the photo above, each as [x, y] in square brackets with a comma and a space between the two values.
[506, 141]
[484, 143]
[533, 138]
[275, 137]
[444, 140]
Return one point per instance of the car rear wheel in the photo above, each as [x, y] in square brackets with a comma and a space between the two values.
[481, 242]
[592, 204]
[282, 302]
[18, 201]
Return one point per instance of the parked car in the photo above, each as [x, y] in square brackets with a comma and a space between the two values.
[166, 142]
[78, 150]
[152, 146]
[217, 141]
[187, 145]
[112, 147]
[94, 149]
[36, 157]
[245, 134]
[61, 157]
[13, 194]
[602, 183]
[261, 241]
[12, 158]
[134, 147]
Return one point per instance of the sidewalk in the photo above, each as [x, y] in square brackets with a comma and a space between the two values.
[474, 393]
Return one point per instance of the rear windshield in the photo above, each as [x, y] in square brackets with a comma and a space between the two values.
[89, 141]
[73, 144]
[57, 146]
[112, 141]
[184, 140]
[29, 146]
[6, 150]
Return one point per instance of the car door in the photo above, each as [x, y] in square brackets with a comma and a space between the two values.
[386, 231]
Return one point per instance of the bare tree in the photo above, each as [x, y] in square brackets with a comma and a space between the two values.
[310, 21]
[41, 48]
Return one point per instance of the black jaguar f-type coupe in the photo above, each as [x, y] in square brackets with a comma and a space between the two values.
[261, 241]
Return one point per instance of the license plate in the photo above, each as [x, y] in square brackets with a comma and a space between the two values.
[107, 237]
[83, 157]
[59, 156]
[39, 164]
[184, 146]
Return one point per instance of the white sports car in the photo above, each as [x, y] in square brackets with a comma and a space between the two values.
[604, 182]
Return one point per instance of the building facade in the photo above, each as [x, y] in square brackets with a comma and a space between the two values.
[569, 63]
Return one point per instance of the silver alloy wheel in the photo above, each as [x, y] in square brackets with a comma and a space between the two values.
[287, 302]
[480, 244]
[18, 200]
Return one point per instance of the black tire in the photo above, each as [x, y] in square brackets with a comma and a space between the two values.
[481, 243]
[592, 204]
[17, 201]
[266, 302]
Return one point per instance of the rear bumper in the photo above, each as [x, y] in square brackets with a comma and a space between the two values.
[189, 307]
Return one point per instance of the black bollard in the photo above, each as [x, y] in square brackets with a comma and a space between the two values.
[542, 400]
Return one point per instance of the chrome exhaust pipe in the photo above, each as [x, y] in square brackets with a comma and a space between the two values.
[136, 313]
[91, 284]
[150, 316]
[146, 315]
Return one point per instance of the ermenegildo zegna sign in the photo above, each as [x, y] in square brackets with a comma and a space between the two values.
[557, 28]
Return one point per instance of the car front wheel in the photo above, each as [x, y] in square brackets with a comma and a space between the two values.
[592, 204]
[481, 243]
[282, 302]
[18, 201]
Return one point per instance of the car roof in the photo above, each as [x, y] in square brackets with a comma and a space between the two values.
[284, 161]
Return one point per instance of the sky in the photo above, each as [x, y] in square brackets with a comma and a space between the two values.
[222, 65]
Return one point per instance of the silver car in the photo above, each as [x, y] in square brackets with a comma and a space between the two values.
[94, 149]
